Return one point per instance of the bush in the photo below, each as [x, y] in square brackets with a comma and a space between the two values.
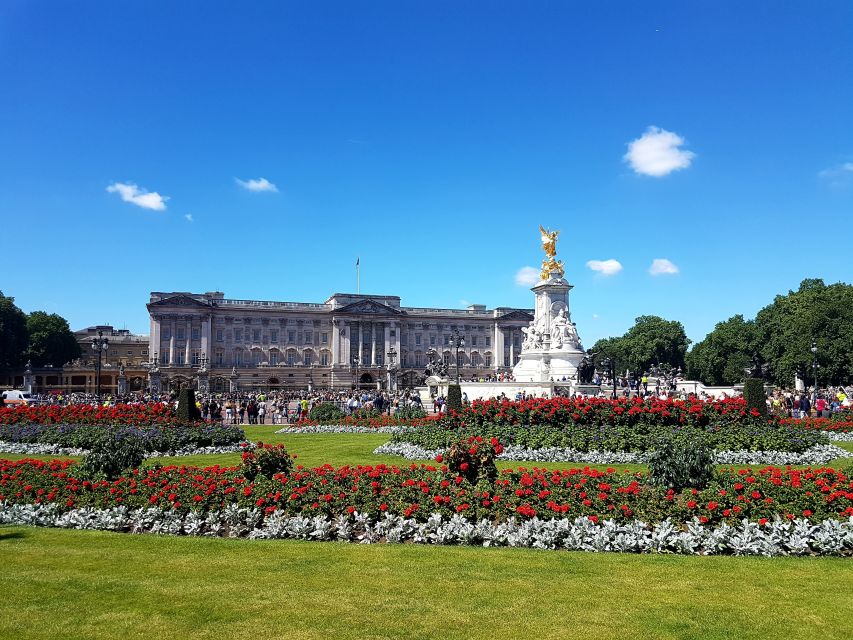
[410, 413]
[474, 459]
[454, 397]
[113, 454]
[681, 465]
[266, 460]
[187, 410]
[753, 393]
[326, 413]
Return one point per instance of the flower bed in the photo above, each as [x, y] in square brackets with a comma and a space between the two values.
[831, 425]
[134, 415]
[818, 454]
[418, 491]
[41, 449]
[773, 538]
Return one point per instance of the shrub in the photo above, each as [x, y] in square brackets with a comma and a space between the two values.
[366, 414]
[113, 454]
[681, 464]
[474, 459]
[326, 413]
[454, 397]
[266, 460]
[410, 413]
[187, 410]
[753, 393]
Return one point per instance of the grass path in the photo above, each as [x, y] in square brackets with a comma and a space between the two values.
[84, 584]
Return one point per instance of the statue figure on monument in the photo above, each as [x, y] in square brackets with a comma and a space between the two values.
[550, 266]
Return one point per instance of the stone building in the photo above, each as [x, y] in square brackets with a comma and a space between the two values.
[125, 348]
[348, 340]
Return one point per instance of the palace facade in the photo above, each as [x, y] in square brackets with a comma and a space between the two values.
[348, 340]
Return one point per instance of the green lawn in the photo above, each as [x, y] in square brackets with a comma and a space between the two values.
[339, 449]
[80, 584]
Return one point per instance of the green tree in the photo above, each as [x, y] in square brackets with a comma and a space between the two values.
[818, 313]
[652, 340]
[50, 340]
[13, 333]
[724, 354]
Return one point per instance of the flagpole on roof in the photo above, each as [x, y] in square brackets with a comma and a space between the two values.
[358, 275]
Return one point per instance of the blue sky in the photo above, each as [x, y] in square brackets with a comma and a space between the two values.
[430, 139]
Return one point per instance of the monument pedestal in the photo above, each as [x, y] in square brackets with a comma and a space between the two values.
[552, 350]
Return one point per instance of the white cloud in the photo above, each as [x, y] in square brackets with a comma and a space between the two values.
[656, 153]
[129, 192]
[595, 316]
[605, 267]
[189, 217]
[838, 176]
[261, 184]
[662, 267]
[527, 276]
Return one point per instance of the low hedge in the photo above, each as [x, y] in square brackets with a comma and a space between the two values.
[640, 437]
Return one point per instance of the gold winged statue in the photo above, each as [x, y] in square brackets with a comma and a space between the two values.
[550, 266]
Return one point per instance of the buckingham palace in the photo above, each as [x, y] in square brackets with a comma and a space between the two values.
[348, 340]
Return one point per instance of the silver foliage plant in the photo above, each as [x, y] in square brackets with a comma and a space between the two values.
[819, 454]
[776, 538]
[24, 448]
[340, 428]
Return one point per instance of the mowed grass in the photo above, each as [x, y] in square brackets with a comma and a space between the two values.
[340, 449]
[84, 584]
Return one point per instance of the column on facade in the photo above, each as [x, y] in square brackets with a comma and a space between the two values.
[189, 335]
[174, 325]
[372, 344]
[499, 347]
[386, 341]
[360, 342]
[398, 345]
[154, 338]
[512, 346]
[344, 331]
[336, 342]
[205, 338]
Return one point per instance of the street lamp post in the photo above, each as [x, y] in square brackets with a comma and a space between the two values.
[354, 366]
[458, 342]
[99, 346]
[610, 364]
[814, 367]
[392, 370]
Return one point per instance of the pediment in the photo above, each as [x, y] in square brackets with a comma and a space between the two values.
[517, 315]
[369, 306]
[179, 300]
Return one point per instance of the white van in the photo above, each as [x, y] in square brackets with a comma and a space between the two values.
[14, 397]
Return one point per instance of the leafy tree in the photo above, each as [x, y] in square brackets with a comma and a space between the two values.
[815, 312]
[652, 340]
[13, 333]
[720, 359]
[50, 340]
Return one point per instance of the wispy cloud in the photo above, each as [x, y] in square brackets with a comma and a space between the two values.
[605, 267]
[657, 153]
[129, 192]
[257, 185]
[839, 175]
[662, 267]
[527, 276]
[189, 217]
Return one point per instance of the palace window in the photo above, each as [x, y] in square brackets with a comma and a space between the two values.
[179, 358]
[273, 357]
[324, 338]
[238, 335]
[273, 335]
[306, 358]
[418, 339]
[219, 335]
[219, 357]
[488, 341]
[324, 358]
[419, 359]
[308, 337]
[473, 341]
[180, 333]
[195, 357]
[291, 336]
[432, 341]
[256, 335]
[167, 333]
[196, 334]
[488, 359]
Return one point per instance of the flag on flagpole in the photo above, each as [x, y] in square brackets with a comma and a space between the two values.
[357, 260]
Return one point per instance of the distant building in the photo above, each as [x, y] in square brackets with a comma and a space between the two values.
[125, 348]
[340, 343]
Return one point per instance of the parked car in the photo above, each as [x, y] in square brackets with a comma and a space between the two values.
[14, 397]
